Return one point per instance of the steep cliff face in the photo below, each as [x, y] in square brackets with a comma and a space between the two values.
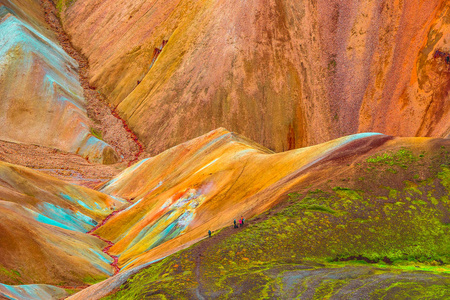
[233, 64]
[384, 74]
[42, 100]
[283, 74]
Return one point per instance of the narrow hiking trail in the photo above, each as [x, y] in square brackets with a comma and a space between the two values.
[203, 246]
[106, 120]
[115, 263]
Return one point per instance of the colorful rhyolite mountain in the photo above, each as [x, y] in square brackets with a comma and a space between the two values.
[201, 185]
[285, 74]
[42, 100]
[208, 182]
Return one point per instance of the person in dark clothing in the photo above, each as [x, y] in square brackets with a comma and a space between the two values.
[447, 59]
[209, 233]
[235, 225]
[243, 221]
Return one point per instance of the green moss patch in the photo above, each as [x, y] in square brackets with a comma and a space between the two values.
[10, 276]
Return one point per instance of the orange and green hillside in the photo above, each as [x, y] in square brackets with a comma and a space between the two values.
[379, 227]
[366, 199]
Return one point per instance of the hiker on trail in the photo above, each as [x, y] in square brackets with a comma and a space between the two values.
[240, 222]
[209, 233]
[447, 59]
[235, 225]
[243, 221]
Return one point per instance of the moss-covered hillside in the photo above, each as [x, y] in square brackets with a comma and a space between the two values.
[380, 229]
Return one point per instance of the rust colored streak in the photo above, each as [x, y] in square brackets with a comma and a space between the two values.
[115, 263]
[156, 53]
[104, 221]
[291, 138]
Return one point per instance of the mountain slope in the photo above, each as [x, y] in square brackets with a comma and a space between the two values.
[202, 185]
[376, 200]
[43, 229]
[42, 100]
[283, 74]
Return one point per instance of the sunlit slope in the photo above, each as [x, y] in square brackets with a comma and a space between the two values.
[42, 100]
[369, 219]
[43, 193]
[283, 74]
[198, 186]
[380, 231]
[43, 229]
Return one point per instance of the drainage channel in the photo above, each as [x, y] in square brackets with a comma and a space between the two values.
[115, 263]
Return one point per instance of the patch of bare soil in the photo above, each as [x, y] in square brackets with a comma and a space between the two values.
[66, 166]
[114, 130]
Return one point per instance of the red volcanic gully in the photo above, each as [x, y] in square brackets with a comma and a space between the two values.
[97, 109]
[115, 263]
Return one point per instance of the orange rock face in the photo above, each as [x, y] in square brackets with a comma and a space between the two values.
[283, 74]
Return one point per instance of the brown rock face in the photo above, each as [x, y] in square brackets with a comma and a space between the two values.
[285, 74]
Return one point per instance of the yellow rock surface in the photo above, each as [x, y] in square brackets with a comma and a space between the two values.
[202, 185]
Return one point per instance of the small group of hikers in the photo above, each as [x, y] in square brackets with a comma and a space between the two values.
[241, 222]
